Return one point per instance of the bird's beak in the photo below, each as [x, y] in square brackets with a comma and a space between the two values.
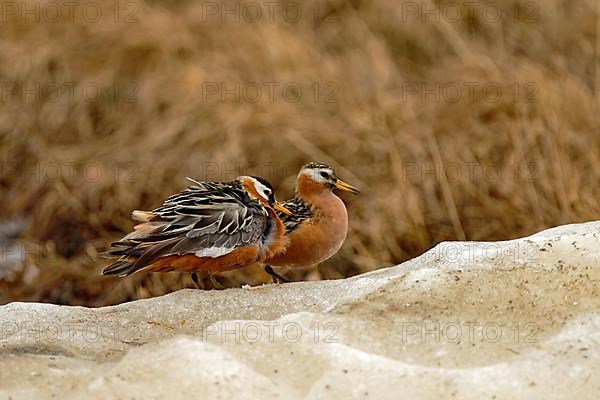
[340, 184]
[279, 207]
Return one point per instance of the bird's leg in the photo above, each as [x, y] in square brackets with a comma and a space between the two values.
[276, 277]
[215, 283]
[203, 278]
[199, 281]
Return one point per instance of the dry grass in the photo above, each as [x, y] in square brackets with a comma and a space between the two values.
[523, 165]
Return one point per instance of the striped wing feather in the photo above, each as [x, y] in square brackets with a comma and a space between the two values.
[208, 218]
[300, 213]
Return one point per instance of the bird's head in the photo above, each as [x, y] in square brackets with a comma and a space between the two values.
[315, 177]
[261, 190]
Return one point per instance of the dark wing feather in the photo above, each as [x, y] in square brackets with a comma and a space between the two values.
[207, 215]
[300, 213]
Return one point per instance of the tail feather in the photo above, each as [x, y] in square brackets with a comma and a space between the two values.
[141, 247]
[119, 268]
[131, 251]
[154, 252]
[142, 216]
[138, 257]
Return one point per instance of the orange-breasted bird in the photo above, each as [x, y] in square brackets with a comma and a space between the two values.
[209, 227]
[318, 223]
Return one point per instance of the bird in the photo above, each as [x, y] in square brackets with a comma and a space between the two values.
[318, 223]
[207, 228]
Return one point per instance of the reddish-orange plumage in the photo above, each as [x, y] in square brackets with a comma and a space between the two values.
[209, 227]
[190, 263]
[319, 224]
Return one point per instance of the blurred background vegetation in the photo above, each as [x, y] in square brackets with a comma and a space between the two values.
[457, 122]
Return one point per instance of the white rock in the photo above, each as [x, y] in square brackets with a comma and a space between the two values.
[506, 320]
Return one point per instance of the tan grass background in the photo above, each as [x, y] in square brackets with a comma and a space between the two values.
[431, 168]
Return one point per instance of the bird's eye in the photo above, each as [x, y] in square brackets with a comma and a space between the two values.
[325, 174]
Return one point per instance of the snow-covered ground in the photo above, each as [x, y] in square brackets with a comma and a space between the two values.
[505, 320]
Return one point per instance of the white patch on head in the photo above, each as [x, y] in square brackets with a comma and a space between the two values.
[213, 252]
[316, 174]
[261, 189]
